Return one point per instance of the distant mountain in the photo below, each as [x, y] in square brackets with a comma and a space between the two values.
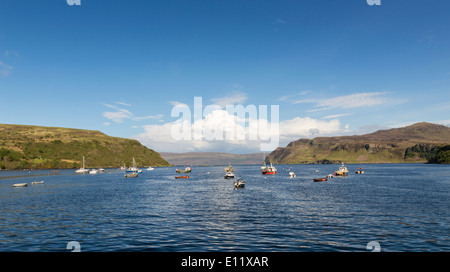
[23, 146]
[416, 143]
[212, 158]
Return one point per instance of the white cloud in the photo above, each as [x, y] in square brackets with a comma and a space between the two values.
[159, 116]
[336, 116]
[5, 69]
[123, 104]
[159, 137]
[236, 97]
[358, 100]
[354, 100]
[118, 116]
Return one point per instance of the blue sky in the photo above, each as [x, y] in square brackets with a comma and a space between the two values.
[333, 67]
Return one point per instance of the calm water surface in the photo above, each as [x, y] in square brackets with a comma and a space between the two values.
[404, 207]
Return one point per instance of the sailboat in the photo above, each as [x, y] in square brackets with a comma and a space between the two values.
[133, 168]
[82, 170]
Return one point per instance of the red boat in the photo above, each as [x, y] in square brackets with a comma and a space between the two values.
[320, 179]
[268, 170]
[180, 177]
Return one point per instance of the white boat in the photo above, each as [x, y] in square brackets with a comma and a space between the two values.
[229, 175]
[343, 171]
[20, 185]
[292, 174]
[82, 170]
[240, 183]
[93, 171]
[150, 168]
[37, 182]
[131, 175]
[133, 168]
[101, 170]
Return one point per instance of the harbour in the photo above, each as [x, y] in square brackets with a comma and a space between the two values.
[404, 207]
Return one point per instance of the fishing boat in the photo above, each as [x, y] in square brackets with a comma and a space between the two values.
[186, 170]
[228, 169]
[343, 171]
[20, 185]
[82, 170]
[268, 170]
[292, 174]
[133, 168]
[320, 179]
[240, 183]
[359, 171]
[229, 175]
[182, 177]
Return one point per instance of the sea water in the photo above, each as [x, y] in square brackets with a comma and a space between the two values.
[402, 207]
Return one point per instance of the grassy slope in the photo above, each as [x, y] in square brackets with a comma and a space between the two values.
[416, 143]
[53, 147]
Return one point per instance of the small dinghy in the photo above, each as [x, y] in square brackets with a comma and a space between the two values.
[20, 185]
[131, 175]
[292, 174]
[182, 177]
[37, 182]
[320, 179]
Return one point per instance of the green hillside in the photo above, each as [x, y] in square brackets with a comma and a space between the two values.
[420, 142]
[23, 146]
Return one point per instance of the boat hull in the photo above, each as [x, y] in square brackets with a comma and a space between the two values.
[320, 179]
[182, 177]
[183, 171]
[270, 173]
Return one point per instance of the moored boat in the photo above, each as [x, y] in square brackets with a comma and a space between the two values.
[186, 170]
[359, 171]
[268, 170]
[82, 170]
[131, 175]
[320, 179]
[240, 183]
[20, 185]
[133, 168]
[292, 174]
[343, 171]
[229, 175]
[182, 177]
[228, 169]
